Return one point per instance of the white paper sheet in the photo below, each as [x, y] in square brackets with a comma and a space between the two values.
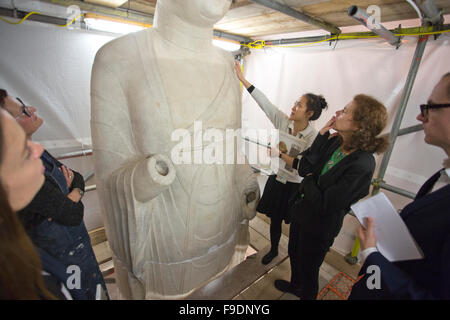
[394, 240]
[292, 146]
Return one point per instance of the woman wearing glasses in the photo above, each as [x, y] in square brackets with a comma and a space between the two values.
[337, 172]
[54, 219]
[279, 188]
[427, 219]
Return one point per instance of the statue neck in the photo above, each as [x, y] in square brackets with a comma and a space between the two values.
[181, 33]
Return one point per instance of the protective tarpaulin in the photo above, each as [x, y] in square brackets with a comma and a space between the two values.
[50, 68]
[339, 72]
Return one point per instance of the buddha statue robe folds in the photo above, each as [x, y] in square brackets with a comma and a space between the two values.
[172, 226]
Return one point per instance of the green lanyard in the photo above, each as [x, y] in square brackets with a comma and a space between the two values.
[337, 156]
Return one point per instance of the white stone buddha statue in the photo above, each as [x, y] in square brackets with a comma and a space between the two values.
[171, 227]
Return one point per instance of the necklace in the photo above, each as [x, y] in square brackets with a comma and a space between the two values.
[337, 156]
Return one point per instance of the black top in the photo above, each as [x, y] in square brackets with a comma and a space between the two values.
[325, 203]
[51, 202]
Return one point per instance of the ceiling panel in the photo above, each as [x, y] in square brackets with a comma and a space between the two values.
[252, 20]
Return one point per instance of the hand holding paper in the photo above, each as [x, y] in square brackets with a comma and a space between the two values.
[366, 235]
[393, 239]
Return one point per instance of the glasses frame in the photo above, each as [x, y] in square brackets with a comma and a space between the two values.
[425, 107]
[25, 109]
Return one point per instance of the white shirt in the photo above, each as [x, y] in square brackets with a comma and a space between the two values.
[443, 180]
[281, 121]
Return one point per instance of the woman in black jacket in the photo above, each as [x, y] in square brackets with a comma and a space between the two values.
[337, 172]
[54, 218]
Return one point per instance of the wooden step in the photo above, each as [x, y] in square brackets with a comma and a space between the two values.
[238, 279]
[263, 288]
[102, 252]
[250, 280]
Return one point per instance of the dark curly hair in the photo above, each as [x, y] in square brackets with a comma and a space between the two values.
[3, 95]
[447, 75]
[371, 117]
[316, 104]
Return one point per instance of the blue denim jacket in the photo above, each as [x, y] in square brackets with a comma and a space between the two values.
[69, 245]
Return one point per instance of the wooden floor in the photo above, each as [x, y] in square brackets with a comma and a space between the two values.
[250, 280]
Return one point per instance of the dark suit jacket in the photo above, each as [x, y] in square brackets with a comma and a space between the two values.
[428, 220]
[326, 199]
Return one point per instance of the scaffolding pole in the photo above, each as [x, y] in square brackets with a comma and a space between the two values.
[404, 102]
[378, 183]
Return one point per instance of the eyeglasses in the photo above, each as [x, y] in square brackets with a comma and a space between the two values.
[425, 107]
[25, 109]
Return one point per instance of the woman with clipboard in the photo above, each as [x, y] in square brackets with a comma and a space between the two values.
[280, 186]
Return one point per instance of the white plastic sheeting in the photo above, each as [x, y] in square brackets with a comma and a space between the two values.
[339, 72]
[50, 68]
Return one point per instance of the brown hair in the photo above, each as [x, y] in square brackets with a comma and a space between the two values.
[20, 267]
[316, 104]
[3, 95]
[447, 75]
[371, 117]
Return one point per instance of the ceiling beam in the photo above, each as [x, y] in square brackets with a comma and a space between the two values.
[108, 3]
[19, 14]
[299, 15]
[136, 17]
[117, 12]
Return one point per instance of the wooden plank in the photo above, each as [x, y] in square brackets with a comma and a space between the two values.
[333, 258]
[264, 288]
[236, 280]
[144, 6]
[327, 272]
[246, 22]
[263, 228]
[107, 3]
[97, 236]
[337, 260]
[257, 241]
[107, 266]
[102, 252]
[252, 20]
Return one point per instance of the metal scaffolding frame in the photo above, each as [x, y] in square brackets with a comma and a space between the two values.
[378, 182]
[299, 15]
[432, 16]
[125, 15]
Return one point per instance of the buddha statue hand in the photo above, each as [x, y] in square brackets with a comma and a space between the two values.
[248, 190]
[152, 175]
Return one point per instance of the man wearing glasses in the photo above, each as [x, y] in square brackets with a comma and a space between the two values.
[427, 218]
